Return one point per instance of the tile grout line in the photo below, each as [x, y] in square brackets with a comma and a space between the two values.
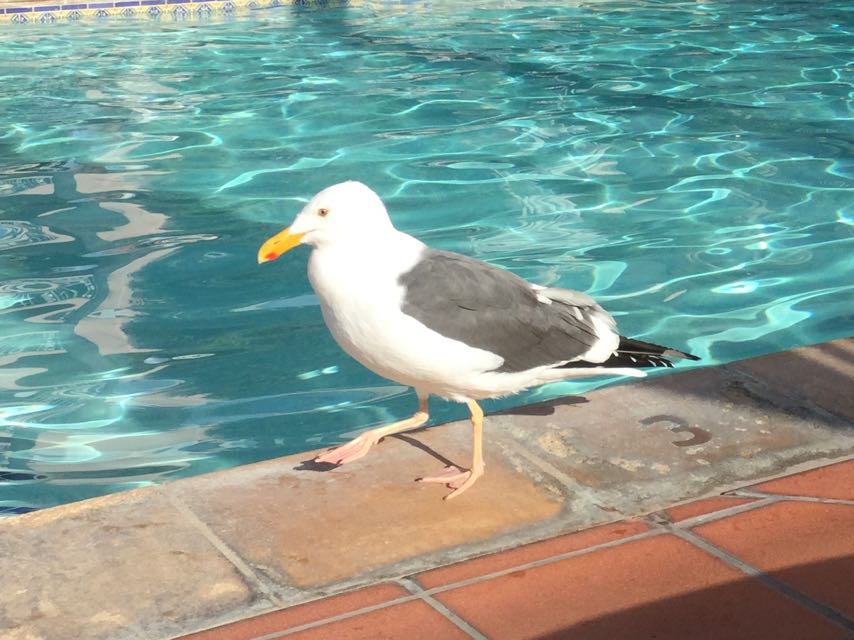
[418, 593]
[767, 580]
[713, 516]
[746, 493]
[413, 587]
[544, 465]
[229, 554]
[283, 633]
[535, 564]
[657, 528]
[424, 594]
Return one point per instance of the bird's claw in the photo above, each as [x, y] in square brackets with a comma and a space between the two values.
[454, 478]
[357, 448]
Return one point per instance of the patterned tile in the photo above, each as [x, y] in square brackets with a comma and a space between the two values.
[138, 9]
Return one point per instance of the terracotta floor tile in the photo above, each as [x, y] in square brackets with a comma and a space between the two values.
[660, 587]
[412, 620]
[809, 546]
[704, 506]
[302, 614]
[833, 481]
[530, 553]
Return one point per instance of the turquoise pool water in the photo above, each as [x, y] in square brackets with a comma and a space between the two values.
[691, 165]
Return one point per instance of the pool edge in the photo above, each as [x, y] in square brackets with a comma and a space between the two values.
[198, 552]
[29, 12]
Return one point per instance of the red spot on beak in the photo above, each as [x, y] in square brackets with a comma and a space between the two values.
[271, 256]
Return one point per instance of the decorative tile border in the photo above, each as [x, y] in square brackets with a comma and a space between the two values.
[49, 13]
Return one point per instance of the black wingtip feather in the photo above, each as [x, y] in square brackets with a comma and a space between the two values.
[632, 345]
[633, 353]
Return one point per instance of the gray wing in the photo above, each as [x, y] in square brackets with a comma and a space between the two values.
[495, 310]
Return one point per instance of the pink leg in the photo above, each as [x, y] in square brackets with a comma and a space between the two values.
[461, 479]
[360, 445]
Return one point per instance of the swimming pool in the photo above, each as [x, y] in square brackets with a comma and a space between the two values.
[690, 165]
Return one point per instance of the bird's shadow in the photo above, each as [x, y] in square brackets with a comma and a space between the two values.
[426, 449]
[540, 409]
[322, 467]
[312, 465]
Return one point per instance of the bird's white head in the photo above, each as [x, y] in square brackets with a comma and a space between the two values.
[347, 212]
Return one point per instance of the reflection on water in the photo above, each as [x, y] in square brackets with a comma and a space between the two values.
[54, 298]
[18, 233]
[702, 194]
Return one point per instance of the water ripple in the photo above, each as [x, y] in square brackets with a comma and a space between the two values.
[689, 164]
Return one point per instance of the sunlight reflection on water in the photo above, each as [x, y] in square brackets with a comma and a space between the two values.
[700, 193]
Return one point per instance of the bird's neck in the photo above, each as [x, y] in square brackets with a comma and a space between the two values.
[378, 259]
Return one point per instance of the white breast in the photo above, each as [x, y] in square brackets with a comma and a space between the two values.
[360, 297]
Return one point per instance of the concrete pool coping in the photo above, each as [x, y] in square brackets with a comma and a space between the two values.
[193, 554]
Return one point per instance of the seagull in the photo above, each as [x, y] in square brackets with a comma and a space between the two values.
[444, 323]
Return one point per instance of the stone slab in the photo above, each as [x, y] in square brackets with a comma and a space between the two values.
[124, 566]
[821, 375]
[634, 448]
[308, 528]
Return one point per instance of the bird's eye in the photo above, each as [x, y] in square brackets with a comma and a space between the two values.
[323, 212]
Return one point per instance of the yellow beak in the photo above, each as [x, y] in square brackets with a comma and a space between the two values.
[278, 244]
